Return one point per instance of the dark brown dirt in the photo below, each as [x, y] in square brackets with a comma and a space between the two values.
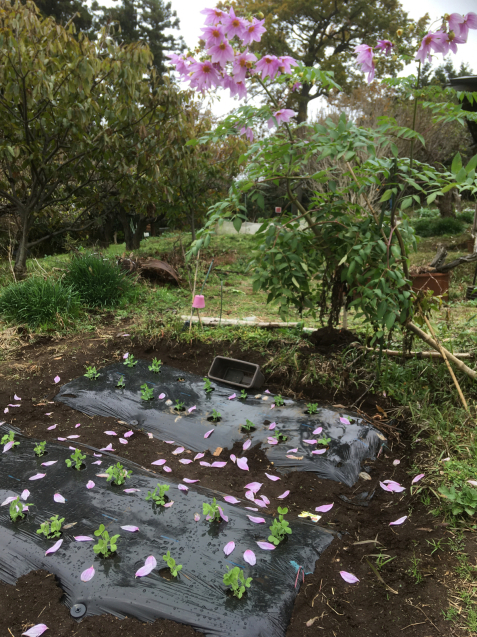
[402, 607]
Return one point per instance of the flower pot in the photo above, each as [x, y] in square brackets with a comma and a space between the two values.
[437, 282]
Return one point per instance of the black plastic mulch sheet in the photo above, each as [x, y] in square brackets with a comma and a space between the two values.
[352, 439]
[198, 596]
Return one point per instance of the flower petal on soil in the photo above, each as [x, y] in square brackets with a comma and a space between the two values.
[242, 463]
[256, 520]
[246, 445]
[8, 446]
[130, 490]
[149, 566]
[128, 434]
[77, 425]
[249, 557]
[229, 547]
[178, 451]
[167, 469]
[310, 442]
[203, 463]
[169, 504]
[98, 455]
[131, 529]
[5, 411]
[250, 495]
[230, 499]
[38, 476]
[283, 495]
[292, 450]
[25, 494]
[273, 478]
[90, 484]
[318, 430]
[15, 397]
[272, 441]
[52, 427]
[218, 464]
[272, 425]
[196, 517]
[87, 574]
[344, 421]
[384, 486]
[349, 577]
[110, 433]
[185, 461]
[108, 448]
[83, 538]
[266, 546]
[254, 486]
[198, 456]
[260, 502]
[396, 462]
[159, 462]
[265, 499]
[222, 514]
[59, 498]
[400, 521]
[417, 478]
[8, 500]
[233, 457]
[36, 631]
[191, 409]
[318, 452]
[324, 508]
[97, 462]
[395, 487]
[231, 397]
[62, 439]
[251, 509]
[206, 435]
[49, 463]
[189, 480]
[183, 487]
[161, 396]
[272, 406]
[54, 548]
[57, 379]
[123, 441]
[73, 436]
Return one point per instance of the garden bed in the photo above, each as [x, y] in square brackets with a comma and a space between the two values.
[364, 609]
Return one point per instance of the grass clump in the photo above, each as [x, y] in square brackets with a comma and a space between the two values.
[98, 282]
[39, 302]
[438, 226]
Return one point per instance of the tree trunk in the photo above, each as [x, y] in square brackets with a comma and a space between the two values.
[303, 99]
[20, 268]
[446, 205]
[192, 225]
[139, 232]
[126, 224]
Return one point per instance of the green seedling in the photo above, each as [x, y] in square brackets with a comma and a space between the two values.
[279, 402]
[280, 528]
[75, 459]
[179, 405]
[9, 437]
[324, 441]
[249, 425]
[243, 394]
[436, 545]
[147, 393]
[280, 437]
[312, 408]
[155, 366]
[40, 448]
[159, 498]
[171, 563]
[91, 373]
[130, 361]
[236, 580]
[208, 386]
[51, 528]
[121, 382]
[216, 415]
[117, 474]
[460, 501]
[211, 511]
[17, 507]
[382, 559]
[106, 545]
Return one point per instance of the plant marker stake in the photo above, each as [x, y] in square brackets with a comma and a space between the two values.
[299, 569]
[193, 291]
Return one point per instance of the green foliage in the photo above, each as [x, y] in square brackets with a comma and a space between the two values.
[243, 394]
[130, 361]
[236, 580]
[117, 474]
[171, 563]
[312, 408]
[438, 227]
[40, 448]
[207, 385]
[17, 507]
[211, 511]
[97, 281]
[279, 436]
[91, 373]
[106, 545]
[324, 441]
[9, 437]
[278, 400]
[147, 393]
[280, 528]
[216, 415]
[467, 216]
[249, 425]
[39, 302]
[179, 405]
[52, 527]
[158, 498]
[155, 366]
[460, 500]
[121, 384]
[76, 459]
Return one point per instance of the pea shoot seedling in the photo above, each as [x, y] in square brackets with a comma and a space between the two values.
[17, 507]
[51, 528]
[216, 415]
[159, 498]
[179, 405]
[312, 408]
[236, 580]
[147, 393]
[130, 361]
[249, 425]
[91, 373]
[280, 528]
[117, 474]
[121, 382]
[279, 402]
[243, 393]
[211, 511]
[106, 545]
[155, 366]
[171, 563]
[40, 448]
[9, 437]
[75, 459]
[208, 386]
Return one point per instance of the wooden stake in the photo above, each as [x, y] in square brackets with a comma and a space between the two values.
[193, 291]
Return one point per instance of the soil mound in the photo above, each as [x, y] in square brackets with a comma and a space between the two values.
[331, 337]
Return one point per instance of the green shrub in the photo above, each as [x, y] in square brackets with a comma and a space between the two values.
[39, 301]
[467, 216]
[99, 282]
[438, 227]
[427, 213]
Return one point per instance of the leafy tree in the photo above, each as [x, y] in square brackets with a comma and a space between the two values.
[62, 11]
[443, 73]
[143, 21]
[325, 33]
[71, 112]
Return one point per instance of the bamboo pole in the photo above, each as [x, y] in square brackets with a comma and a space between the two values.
[193, 291]
[394, 352]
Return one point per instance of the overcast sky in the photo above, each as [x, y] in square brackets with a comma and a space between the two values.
[191, 21]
